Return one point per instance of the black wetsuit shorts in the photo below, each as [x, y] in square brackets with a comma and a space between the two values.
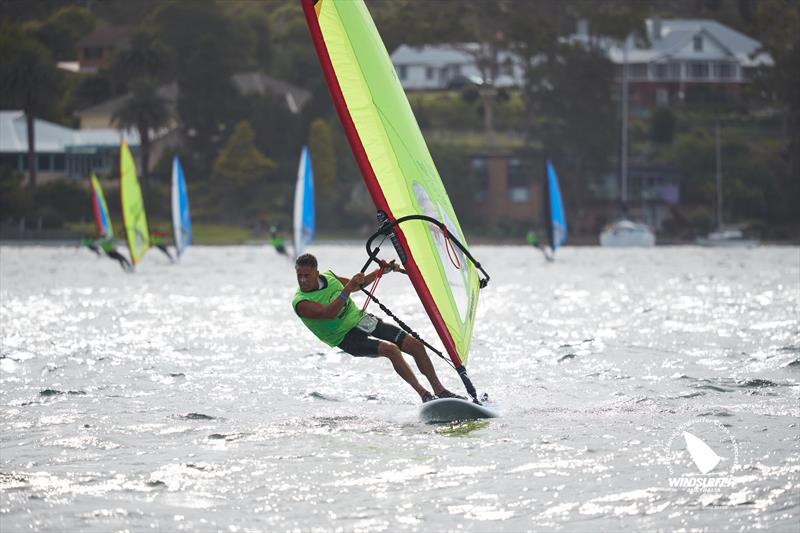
[362, 344]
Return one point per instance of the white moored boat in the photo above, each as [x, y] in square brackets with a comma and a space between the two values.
[727, 238]
[627, 233]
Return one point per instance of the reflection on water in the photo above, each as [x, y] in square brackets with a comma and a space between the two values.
[188, 397]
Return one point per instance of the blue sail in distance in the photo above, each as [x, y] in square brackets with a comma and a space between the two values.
[558, 221]
[181, 221]
[304, 217]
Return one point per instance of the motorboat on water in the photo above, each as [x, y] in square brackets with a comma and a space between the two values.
[625, 232]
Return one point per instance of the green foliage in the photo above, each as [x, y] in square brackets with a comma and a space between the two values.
[90, 90]
[59, 201]
[145, 57]
[28, 80]
[323, 160]
[61, 30]
[28, 76]
[297, 62]
[577, 120]
[240, 164]
[15, 200]
[662, 126]
[778, 24]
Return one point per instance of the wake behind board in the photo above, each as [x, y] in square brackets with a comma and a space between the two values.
[453, 409]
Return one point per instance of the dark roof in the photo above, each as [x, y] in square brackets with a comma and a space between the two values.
[107, 36]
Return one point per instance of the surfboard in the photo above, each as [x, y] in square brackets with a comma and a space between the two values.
[452, 410]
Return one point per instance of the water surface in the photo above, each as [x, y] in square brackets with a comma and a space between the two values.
[188, 397]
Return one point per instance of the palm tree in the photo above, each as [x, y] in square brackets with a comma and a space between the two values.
[146, 111]
[29, 79]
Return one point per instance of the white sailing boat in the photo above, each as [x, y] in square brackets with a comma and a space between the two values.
[722, 236]
[623, 231]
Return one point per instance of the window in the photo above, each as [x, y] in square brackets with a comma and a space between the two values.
[43, 162]
[429, 73]
[9, 161]
[481, 172]
[724, 71]
[675, 71]
[698, 71]
[58, 163]
[698, 43]
[660, 71]
[518, 182]
[92, 52]
[402, 71]
[638, 71]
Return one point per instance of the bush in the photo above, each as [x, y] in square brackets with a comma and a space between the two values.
[60, 201]
[662, 126]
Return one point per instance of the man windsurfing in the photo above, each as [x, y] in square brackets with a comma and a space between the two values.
[277, 241]
[107, 245]
[158, 239]
[323, 303]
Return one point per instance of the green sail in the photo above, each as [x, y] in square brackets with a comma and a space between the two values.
[133, 215]
[395, 163]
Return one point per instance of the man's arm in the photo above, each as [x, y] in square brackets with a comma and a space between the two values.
[307, 309]
[369, 278]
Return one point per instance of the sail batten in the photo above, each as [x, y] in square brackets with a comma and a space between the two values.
[395, 163]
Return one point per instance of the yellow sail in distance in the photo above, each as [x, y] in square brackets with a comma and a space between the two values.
[395, 163]
[133, 215]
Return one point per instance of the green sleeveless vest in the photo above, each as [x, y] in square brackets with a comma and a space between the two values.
[331, 331]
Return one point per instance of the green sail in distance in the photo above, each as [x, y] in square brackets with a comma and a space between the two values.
[395, 163]
[133, 215]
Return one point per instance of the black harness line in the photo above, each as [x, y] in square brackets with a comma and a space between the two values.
[386, 230]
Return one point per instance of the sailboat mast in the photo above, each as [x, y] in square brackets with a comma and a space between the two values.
[624, 156]
[719, 177]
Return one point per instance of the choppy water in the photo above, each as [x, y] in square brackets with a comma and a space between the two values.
[189, 397]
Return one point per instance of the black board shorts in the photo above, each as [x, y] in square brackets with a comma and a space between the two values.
[361, 344]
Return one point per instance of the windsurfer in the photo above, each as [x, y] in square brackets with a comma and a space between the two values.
[90, 244]
[322, 302]
[277, 240]
[157, 239]
[107, 245]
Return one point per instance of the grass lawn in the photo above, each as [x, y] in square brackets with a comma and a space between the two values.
[201, 233]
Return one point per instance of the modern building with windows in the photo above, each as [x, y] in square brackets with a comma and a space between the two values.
[61, 151]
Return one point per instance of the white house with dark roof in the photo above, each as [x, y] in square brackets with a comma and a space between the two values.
[681, 53]
[60, 151]
[450, 66]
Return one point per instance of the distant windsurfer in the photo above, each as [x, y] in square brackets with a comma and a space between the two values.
[158, 239]
[107, 245]
[322, 302]
[534, 241]
[90, 244]
[277, 241]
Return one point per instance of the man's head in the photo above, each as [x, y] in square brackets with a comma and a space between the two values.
[307, 274]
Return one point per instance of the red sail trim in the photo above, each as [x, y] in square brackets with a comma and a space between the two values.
[371, 180]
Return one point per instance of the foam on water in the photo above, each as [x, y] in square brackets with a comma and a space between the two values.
[188, 397]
